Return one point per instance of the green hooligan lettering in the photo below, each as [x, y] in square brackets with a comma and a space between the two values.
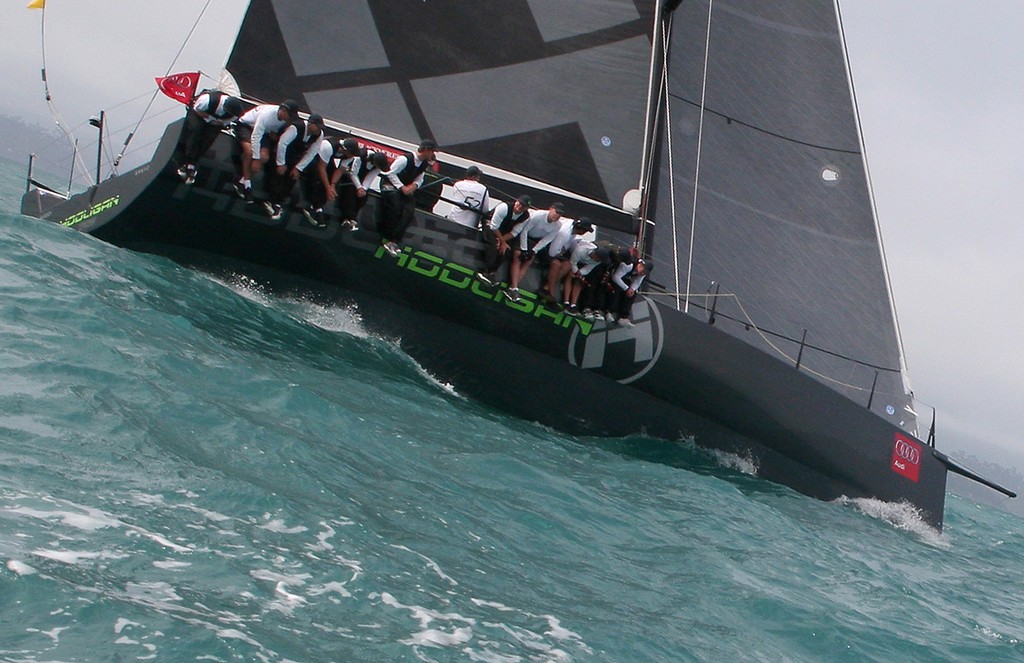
[432, 271]
[585, 327]
[467, 276]
[488, 292]
[542, 312]
[99, 207]
[524, 304]
[458, 276]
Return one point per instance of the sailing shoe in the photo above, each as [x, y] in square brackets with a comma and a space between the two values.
[609, 318]
[391, 248]
[512, 294]
[626, 322]
[315, 217]
[276, 211]
[486, 277]
[588, 315]
[185, 171]
[349, 224]
[573, 311]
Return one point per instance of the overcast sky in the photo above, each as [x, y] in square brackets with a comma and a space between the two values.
[941, 99]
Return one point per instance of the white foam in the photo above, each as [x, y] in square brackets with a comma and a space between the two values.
[54, 634]
[277, 525]
[335, 587]
[559, 632]
[91, 520]
[170, 565]
[436, 638]
[74, 557]
[901, 515]
[209, 515]
[167, 543]
[246, 287]
[275, 577]
[344, 319]
[152, 593]
[235, 634]
[287, 601]
[20, 568]
[747, 465]
[431, 563]
[121, 623]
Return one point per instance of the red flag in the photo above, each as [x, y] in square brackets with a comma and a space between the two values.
[180, 87]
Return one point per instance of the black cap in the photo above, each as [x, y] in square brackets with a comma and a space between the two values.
[233, 106]
[350, 145]
[316, 119]
[380, 160]
[558, 207]
[524, 200]
[583, 225]
[291, 106]
[428, 144]
[473, 171]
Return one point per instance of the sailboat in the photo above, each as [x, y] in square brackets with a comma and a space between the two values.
[717, 138]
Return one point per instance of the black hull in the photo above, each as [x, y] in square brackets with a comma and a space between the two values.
[670, 376]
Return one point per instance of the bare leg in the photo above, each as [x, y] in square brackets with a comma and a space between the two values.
[246, 160]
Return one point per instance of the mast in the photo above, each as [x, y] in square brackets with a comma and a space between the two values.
[654, 101]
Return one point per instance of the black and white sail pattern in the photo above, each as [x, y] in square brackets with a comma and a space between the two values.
[555, 90]
[784, 218]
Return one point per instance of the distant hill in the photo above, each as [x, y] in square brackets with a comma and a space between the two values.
[20, 139]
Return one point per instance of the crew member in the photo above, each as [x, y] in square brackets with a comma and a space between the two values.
[299, 140]
[398, 186]
[354, 170]
[497, 230]
[626, 281]
[560, 270]
[316, 169]
[470, 201]
[209, 113]
[257, 131]
[540, 225]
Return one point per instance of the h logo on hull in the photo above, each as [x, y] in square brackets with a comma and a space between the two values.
[623, 353]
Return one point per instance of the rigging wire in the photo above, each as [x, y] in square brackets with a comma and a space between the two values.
[152, 99]
[671, 163]
[57, 117]
[700, 140]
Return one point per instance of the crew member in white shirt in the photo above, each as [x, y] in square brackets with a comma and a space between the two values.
[257, 131]
[470, 202]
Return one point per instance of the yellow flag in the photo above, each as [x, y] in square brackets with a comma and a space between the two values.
[37, 4]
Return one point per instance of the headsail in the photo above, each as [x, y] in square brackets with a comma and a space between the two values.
[552, 89]
[784, 218]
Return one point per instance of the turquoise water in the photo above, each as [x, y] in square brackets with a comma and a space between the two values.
[191, 470]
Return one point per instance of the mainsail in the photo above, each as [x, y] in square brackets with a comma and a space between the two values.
[552, 89]
[782, 219]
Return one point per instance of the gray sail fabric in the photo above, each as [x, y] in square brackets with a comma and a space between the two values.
[784, 219]
[555, 90]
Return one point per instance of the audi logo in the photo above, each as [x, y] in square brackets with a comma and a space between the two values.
[908, 452]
